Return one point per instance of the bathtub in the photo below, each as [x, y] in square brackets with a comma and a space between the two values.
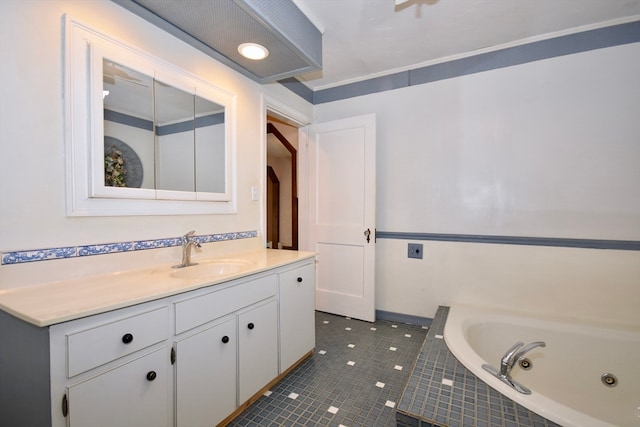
[565, 376]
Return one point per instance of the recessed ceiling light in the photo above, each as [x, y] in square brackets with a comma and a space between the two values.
[253, 51]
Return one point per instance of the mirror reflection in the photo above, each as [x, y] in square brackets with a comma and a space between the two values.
[157, 136]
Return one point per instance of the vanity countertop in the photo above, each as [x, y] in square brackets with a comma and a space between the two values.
[50, 303]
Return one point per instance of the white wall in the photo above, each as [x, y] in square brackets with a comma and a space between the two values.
[545, 149]
[549, 148]
[32, 167]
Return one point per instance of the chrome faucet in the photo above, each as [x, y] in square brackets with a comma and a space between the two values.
[508, 360]
[187, 243]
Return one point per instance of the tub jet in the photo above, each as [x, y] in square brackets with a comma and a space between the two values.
[525, 364]
[609, 380]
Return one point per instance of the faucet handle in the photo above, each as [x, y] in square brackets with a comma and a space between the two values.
[507, 359]
[185, 239]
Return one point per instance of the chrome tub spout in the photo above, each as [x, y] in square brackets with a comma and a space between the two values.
[508, 360]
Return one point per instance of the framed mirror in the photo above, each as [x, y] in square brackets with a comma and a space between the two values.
[158, 140]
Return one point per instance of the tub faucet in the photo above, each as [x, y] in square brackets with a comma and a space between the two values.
[510, 358]
[187, 243]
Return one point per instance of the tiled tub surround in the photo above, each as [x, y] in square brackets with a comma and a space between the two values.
[354, 378]
[442, 392]
[32, 255]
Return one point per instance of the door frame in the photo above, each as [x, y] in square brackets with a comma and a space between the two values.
[273, 207]
[272, 129]
[298, 119]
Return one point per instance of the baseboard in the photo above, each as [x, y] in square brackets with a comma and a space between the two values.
[403, 318]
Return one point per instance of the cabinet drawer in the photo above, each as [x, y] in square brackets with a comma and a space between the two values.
[102, 344]
[205, 308]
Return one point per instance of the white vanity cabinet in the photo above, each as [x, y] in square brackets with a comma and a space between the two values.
[236, 337]
[189, 359]
[297, 313]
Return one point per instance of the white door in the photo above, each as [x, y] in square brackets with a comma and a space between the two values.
[341, 183]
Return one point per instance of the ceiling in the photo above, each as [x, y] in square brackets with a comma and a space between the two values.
[368, 38]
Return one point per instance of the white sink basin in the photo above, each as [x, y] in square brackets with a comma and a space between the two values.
[211, 269]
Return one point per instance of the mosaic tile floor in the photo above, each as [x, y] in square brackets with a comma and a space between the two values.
[354, 378]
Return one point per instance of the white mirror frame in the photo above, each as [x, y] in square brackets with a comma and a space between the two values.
[87, 195]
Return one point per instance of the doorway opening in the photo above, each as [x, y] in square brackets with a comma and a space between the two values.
[282, 184]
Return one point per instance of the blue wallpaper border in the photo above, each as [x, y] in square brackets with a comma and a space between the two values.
[584, 41]
[625, 245]
[33, 255]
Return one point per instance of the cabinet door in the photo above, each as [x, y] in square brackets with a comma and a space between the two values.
[206, 376]
[258, 348]
[133, 394]
[297, 314]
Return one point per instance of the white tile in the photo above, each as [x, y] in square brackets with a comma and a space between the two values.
[293, 396]
[267, 393]
[392, 348]
[379, 384]
[322, 352]
[333, 409]
[398, 368]
[351, 345]
[448, 382]
[351, 363]
[390, 404]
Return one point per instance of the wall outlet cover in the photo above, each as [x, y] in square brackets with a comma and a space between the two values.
[415, 250]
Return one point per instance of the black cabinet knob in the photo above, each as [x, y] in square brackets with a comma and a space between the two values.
[127, 338]
[151, 375]
[251, 326]
[299, 279]
[225, 339]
